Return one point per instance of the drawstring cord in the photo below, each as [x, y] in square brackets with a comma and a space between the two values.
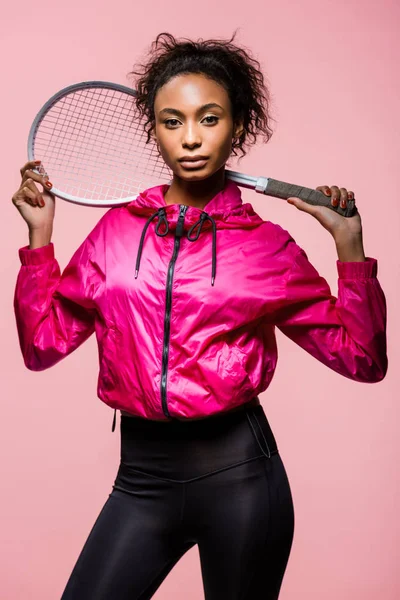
[200, 222]
[162, 219]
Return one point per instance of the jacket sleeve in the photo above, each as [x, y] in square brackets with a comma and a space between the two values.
[348, 333]
[55, 313]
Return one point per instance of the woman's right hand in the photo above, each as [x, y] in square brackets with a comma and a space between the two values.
[36, 208]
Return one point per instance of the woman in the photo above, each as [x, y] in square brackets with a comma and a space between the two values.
[186, 335]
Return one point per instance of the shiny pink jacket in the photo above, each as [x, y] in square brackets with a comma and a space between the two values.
[184, 304]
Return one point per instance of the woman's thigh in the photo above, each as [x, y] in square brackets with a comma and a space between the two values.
[245, 519]
[133, 545]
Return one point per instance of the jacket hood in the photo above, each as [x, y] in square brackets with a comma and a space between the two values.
[225, 210]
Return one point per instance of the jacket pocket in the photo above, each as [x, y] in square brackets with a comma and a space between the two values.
[109, 349]
[232, 370]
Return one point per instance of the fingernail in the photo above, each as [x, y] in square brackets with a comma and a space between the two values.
[42, 203]
[48, 184]
[328, 192]
[37, 162]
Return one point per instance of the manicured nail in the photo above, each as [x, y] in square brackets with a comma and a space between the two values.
[48, 184]
[37, 162]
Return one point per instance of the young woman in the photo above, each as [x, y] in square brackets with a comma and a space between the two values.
[184, 288]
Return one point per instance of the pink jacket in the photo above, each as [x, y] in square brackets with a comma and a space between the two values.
[184, 304]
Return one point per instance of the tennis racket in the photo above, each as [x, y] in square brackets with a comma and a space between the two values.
[91, 140]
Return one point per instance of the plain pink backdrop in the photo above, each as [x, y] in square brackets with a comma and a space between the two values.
[333, 72]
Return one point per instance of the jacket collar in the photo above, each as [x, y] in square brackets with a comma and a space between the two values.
[225, 210]
[223, 202]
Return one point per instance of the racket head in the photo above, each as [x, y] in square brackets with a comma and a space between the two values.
[93, 145]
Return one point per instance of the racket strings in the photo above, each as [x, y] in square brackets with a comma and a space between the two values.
[93, 145]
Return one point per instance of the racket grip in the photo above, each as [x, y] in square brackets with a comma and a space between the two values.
[280, 189]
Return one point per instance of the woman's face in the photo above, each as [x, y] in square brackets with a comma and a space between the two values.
[192, 118]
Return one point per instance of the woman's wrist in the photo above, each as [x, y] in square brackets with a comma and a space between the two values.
[39, 237]
[350, 249]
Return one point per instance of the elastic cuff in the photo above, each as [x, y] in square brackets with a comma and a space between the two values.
[358, 270]
[36, 256]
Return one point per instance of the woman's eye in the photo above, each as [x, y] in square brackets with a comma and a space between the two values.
[212, 117]
[173, 122]
[169, 121]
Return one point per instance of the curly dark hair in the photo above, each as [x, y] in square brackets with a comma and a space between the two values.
[220, 60]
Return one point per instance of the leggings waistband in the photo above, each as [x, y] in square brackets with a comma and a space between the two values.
[182, 450]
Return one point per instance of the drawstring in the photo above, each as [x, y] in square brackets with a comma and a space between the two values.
[163, 219]
[200, 222]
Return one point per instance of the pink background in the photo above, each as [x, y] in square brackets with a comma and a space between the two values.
[333, 71]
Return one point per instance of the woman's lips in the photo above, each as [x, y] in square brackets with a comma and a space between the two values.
[193, 164]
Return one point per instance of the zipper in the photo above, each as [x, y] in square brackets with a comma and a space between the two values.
[168, 303]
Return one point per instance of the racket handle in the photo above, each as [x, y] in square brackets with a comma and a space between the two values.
[280, 189]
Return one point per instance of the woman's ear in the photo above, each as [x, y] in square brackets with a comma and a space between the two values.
[238, 130]
[155, 140]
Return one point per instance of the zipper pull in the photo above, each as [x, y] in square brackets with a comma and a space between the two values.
[179, 225]
[113, 425]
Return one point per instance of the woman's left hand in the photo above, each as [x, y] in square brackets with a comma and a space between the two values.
[338, 226]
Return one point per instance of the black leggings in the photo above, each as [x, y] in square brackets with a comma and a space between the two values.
[219, 483]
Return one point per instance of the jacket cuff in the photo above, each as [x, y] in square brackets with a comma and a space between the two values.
[36, 256]
[358, 270]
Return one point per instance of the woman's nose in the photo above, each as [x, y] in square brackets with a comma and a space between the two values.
[191, 136]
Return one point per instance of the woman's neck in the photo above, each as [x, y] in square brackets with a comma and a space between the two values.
[195, 193]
